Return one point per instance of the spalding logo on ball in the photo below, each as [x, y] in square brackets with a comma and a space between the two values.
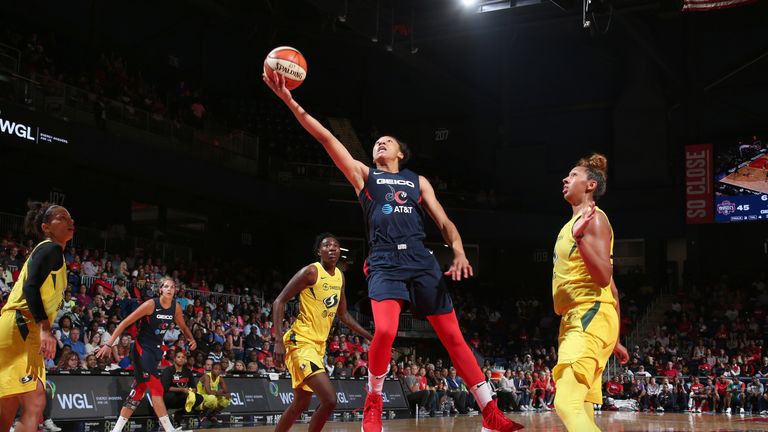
[288, 62]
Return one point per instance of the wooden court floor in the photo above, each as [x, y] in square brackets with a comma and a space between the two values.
[608, 421]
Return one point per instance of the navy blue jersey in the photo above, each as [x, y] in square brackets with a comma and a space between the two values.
[152, 327]
[392, 206]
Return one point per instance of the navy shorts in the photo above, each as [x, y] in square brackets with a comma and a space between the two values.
[145, 362]
[408, 272]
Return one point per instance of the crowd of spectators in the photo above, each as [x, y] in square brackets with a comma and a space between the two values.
[232, 325]
[107, 78]
[702, 356]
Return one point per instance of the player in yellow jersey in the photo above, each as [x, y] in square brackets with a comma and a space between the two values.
[320, 287]
[25, 320]
[585, 297]
[214, 392]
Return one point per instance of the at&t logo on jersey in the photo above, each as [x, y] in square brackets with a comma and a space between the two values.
[388, 209]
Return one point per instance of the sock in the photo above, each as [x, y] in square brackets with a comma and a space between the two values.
[119, 424]
[166, 422]
[376, 382]
[482, 393]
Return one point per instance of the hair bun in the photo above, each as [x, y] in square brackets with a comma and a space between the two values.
[598, 162]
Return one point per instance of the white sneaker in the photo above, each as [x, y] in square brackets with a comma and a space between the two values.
[660, 409]
[523, 407]
[50, 426]
[763, 412]
[728, 411]
[741, 410]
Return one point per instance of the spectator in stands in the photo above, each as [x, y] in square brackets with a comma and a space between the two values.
[698, 394]
[614, 388]
[82, 296]
[91, 363]
[417, 399]
[457, 391]
[90, 268]
[669, 371]
[74, 342]
[216, 353]
[5, 288]
[734, 398]
[522, 384]
[651, 401]
[665, 398]
[721, 393]
[171, 336]
[63, 330]
[239, 367]
[506, 392]
[69, 362]
[755, 402]
[235, 342]
[680, 395]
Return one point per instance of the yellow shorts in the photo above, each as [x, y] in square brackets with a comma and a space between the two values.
[588, 334]
[214, 402]
[21, 364]
[303, 360]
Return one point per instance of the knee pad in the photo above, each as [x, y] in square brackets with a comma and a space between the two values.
[131, 402]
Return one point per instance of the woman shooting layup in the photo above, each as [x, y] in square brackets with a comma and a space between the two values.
[400, 268]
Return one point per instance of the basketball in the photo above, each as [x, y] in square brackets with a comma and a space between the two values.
[288, 62]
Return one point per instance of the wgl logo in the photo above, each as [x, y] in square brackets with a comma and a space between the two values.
[236, 399]
[18, 129]
[67, 401]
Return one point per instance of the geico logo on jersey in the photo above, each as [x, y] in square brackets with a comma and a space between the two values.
[68, 401]
[395, 182]
[168, 317]
[18, 129]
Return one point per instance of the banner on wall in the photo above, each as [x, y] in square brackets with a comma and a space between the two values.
[84, 397]
[699, 199]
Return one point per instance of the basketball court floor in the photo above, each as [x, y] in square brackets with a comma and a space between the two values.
[608, 421]
[753, 176]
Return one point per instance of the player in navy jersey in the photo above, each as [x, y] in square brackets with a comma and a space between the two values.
[155, 317]
[399, 267]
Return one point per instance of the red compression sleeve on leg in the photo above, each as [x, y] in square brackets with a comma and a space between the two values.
[386, 318]
[447, 328]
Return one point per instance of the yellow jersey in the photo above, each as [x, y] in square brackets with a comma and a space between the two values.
[53, 285]
[572, 284]
[214, 384]
[318, 304]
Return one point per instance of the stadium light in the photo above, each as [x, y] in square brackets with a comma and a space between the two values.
[468, 3]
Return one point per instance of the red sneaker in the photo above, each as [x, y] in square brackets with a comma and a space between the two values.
[372, 413]
[495, 421]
